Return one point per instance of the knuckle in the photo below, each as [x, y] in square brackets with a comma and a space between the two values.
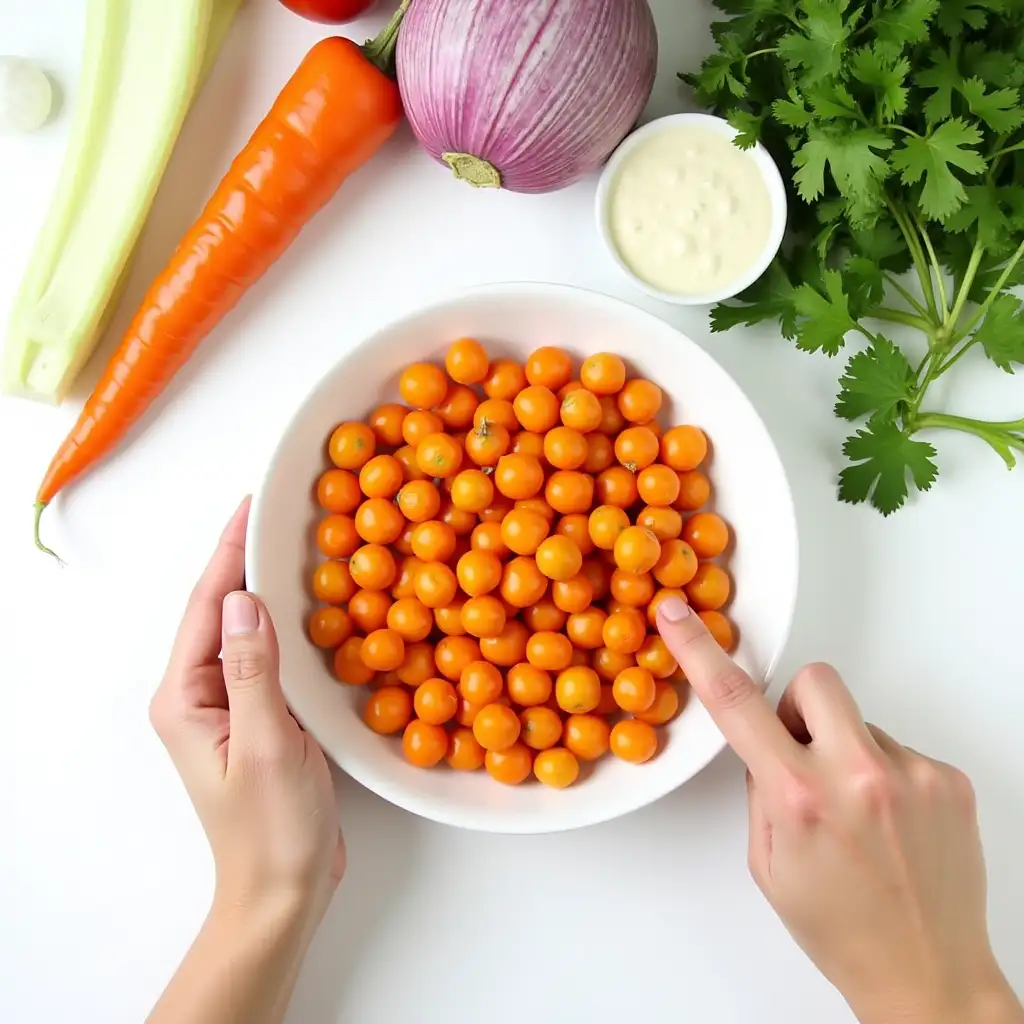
[964, 790]
[872, 787]
[801, 800]
[729, 687]
[244, 666]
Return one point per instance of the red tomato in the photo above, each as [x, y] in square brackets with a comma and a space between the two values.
[329, 11]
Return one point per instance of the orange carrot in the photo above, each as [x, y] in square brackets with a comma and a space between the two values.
[336, 111]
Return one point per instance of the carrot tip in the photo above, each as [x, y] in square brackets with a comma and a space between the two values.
[40, 506]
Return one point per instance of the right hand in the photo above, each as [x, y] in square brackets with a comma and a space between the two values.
[867, 850]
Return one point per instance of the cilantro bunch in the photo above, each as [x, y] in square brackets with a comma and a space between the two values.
[899, 124]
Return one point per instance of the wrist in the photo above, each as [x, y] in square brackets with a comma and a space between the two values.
[991, 1003]
[280, 917]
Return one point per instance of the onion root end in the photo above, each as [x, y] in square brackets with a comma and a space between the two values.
[479, 173]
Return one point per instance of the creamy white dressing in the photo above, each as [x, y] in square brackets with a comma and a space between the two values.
[689, 212]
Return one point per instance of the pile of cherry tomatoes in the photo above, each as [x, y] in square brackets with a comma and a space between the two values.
[496, 549]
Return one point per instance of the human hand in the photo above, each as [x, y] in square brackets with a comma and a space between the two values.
[259, 783]
[867, 850]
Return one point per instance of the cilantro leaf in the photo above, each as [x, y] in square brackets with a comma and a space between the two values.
[875, 382]
[957, 15]
[886, 75]
[983, 210]
[748, 125]
[832, 101]
[999, 109]
[884, 245]
[770, 297]
[856, 168]
[717, 74]
[943, 78]
[882, 455]
[1001, 333]
[792, 113]
[931, 157]
[826, 318]
[864, 283]
[817, 50]
[904, 22]
[990, 273]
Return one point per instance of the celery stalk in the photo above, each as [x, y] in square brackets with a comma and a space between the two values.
[142, 66]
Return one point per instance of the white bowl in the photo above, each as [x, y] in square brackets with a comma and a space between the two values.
[750, 490]
[776, 195]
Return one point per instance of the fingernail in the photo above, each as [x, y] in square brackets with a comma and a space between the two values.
[240, 614]
[673, 609]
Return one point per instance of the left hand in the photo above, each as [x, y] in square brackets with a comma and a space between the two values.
[258, 781]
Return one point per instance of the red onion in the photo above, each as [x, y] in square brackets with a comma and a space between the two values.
[528, 95]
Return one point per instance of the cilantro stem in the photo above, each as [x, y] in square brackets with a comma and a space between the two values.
[1007, 149]
[936, 266]
[917, 253]
[908, 298]
[980, 312]
[760, 53]
[1001, 437]
[965, 287]
[899, 316]
[952, 360]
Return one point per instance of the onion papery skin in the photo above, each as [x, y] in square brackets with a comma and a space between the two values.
[526, 95]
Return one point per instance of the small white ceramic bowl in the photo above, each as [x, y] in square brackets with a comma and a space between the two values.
[750, 490]
[769, 172]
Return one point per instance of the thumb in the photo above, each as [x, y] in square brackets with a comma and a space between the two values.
[251, 674]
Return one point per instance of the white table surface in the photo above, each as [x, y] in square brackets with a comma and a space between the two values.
[104, 871]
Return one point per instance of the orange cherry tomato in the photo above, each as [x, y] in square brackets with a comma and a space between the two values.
[538, 505]
[523, 530]
[603, 373]
[337, 490]
[585, 627]
[600, 454]
[632, 589]
[348, 663]
[472, 491]
[419, 501]
[480, 683]
[458, 407]
[411, 619]
[665, 706]
[707, 534]
[600, 575]
[573, 385]
[536, 408]
[639, 400]
[436, 585]
[460, 520]
[439, 455]
[607, 708]
[486, 537]
[433, 541]
[423, 385]
[329, 627]
[549, 367]
[525, 442]
[449, 618]
[637, 549]
[636, 448]
[511, 766]
[518, 476]
[624, 631]
[336, 536]
[464, 753]
[352, 445]
[378, 521]
[381, 477]
[383, 650]
[405, 581]
[709, 589]
[549, 651]
[556, 767]
[718, 626]
[657, 485]
[558, 558]
[568, 491]
[608, 663]
[420, 424]
[522, 583]
[633, 741]
[487, 443]
[497, 510]
[684, 448]
[509, 646]
[369, 609]
[664, 523]
[605, 524]
[565, 448]
[496, 412]
[661, 595]
[616, 486]
[573, 595]
[406, 456]
[544, 616]
[478, 572]
[529, 685]
[436, 701]
[483, 616]
[578, 690]
[505, 379]
[372, 567]
[541, 727]
[417, 665]
[587, 736]
[423, 744]
[388, 710]
[694, 491]
[676, 565]
[612, 421]
[453, 653]
[634, 689]
[576, 527]
[581, 411]
[386, 423]
[496, 727]
[466, 361]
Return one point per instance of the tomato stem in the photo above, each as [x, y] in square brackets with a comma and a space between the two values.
[380, 51]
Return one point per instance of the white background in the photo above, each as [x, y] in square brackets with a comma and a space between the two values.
[104, 871]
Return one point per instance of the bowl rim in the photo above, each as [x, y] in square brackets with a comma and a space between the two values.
[354, 767]
[769, 172]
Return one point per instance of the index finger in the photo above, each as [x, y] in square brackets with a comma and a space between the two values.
[738, 707]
